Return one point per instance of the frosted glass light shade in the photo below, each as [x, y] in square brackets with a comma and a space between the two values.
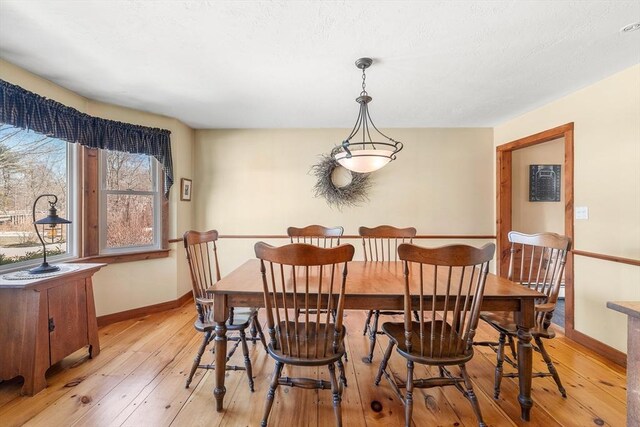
[364, 161]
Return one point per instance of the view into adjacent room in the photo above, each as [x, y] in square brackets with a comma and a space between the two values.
[538, 201]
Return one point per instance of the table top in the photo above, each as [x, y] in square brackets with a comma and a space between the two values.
[630, 308]
[80, 269]
[364, 279]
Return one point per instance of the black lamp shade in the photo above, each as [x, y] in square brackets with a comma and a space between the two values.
[52, 220]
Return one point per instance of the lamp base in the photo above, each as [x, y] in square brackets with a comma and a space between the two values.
[44, 268]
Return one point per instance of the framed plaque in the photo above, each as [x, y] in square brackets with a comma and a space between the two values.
[544, 183]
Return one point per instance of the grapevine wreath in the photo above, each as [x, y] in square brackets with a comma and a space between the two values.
[352, 194]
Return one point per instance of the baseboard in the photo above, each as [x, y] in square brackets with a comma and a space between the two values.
[616, 356]
[143, 311]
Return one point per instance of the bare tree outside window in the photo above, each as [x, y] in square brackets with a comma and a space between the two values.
[30, 164]
[130, 194]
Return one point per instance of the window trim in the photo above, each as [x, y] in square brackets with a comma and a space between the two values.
[90, 217]
[126, 257]
[73, 204]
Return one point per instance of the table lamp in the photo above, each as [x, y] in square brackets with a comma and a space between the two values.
[49, 229]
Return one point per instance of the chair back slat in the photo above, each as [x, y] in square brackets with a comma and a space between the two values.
[380, 244]
[540, 259]
[421, 315]
[202, 257]
[453, 279]
[317, 235]
[296, 323]
[456, 324]
[306, 279]
[269, 299]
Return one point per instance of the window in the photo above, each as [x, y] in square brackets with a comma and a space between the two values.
[130, 210]
[118, 209]
[32, 164]
[125, 216]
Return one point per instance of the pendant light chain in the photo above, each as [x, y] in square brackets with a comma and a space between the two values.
[364, 83]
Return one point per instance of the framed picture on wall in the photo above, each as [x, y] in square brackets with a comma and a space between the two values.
[185, 189]
[544, 183]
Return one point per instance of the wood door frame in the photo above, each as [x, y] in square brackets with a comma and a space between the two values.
[504, 205]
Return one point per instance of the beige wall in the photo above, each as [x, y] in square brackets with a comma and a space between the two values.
[442, 183]
[120, 287]
[607, 181]
[258, 182]
[536, 217]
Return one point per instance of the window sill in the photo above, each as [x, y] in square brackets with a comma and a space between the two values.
[127, 257]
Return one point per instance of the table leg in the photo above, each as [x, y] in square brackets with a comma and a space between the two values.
[633, 372]
[221, 314]
[525, 320]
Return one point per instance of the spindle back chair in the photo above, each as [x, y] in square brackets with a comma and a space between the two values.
[202, 257]
[299, 278]
[317, 235]
[445, 286]
[380, 244]
[536, 261]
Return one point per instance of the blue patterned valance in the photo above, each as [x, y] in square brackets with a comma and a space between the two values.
[27, 110]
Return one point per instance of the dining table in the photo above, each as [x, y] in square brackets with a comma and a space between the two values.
[372, 285]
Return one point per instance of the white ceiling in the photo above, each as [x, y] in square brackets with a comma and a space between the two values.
[259, 64]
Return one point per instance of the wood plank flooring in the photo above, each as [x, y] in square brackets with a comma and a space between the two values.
[138, 380]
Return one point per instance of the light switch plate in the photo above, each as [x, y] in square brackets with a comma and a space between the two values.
[582, 212]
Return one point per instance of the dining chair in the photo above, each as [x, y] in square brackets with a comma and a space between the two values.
[301, 276]
[380, 244]
[202, 257]
[536, 261]
[317, 235]
[445, 285]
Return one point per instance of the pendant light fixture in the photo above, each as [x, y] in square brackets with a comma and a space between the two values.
[363, 154]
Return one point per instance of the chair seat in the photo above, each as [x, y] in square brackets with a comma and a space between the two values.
[306, 343]
[450, 351]
[241, 319]
[504, 321]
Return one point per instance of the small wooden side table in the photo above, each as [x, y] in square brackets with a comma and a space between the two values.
[44, 320]
[631, 309]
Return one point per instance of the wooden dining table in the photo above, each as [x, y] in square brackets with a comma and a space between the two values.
[374, 286]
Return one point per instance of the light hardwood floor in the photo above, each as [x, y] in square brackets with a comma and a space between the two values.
[138, 380]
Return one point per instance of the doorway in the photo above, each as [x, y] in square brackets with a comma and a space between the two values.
[505, 179]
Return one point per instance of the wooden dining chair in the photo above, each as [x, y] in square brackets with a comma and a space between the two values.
[297, 277]
[317, 235]
[380, 244]
[445, 285]
[536, 261]
[202, 257]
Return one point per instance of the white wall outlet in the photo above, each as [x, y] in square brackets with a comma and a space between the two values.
[582, 212]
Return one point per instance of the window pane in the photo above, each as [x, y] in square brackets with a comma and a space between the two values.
[125, 171]
[129, 220]
[31, 164]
